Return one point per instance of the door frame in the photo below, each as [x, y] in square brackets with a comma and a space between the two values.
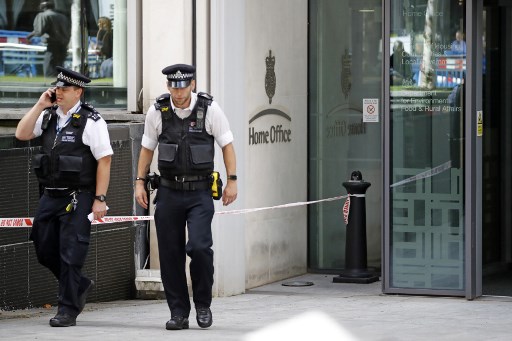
[473, 150]
[472, 158]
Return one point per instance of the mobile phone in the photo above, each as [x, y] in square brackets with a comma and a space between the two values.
[53, 97]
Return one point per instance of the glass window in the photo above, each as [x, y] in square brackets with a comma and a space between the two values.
[36, 36]
[344, 69]
[427, 71]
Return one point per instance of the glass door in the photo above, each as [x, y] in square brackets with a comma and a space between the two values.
[430, 174]
[344, 69]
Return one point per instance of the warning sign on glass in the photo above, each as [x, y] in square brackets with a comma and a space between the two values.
[370, 110]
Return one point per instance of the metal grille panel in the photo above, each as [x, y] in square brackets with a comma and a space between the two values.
[110, 262]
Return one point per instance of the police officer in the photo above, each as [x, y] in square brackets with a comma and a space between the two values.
[74, 173]
[184, 126]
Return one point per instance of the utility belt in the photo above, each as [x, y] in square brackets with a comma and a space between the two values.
[187, 183]
[59, 193]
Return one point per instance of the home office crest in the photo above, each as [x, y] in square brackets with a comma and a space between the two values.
[273, 129]
[270, 76]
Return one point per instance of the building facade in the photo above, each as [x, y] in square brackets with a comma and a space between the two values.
[411, 93]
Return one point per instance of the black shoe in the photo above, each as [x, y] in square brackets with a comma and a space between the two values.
[82, 298]
[63, 320]
[177, 323]
[204, 317]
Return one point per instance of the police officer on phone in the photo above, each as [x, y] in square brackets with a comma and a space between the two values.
[184, 125]
[74, 171]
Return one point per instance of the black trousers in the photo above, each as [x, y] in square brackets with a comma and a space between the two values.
[174, 211]
[61, 240]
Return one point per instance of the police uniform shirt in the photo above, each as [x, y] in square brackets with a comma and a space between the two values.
[216, 124]
[95, 133]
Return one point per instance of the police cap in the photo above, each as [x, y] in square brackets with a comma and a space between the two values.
[68, 77]
[179, 75]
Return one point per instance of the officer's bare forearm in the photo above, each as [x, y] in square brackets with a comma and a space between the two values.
[103, 175]
[145, 158]
[25, 128]
[228, 153]
[230, 192]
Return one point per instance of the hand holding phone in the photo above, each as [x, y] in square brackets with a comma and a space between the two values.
[53, 97]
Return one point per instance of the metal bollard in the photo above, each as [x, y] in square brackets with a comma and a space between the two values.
[356, 270]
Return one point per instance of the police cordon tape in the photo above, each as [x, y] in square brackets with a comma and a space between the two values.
[426, 174]
[28, 222]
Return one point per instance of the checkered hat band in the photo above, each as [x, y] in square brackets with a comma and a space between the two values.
[71, 80]
[179, 75]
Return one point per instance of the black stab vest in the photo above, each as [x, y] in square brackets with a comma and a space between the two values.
[185, 148]
[65, 161]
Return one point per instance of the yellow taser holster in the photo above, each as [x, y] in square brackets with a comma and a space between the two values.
[216, 186]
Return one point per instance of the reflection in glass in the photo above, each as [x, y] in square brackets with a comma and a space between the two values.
[344, 69]
[426, 114]
[36, 36]
[400, 65]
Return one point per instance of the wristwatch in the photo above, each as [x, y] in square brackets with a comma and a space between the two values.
[101, 197]
[232, 177]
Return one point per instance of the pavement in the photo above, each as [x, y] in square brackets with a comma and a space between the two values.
[323, 310]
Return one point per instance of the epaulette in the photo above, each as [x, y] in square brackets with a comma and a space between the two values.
[164, 98]
[95, 116]
[206, 96]
[92, 113]
[163, 102]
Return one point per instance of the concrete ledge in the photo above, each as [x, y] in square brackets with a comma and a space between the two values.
[149, 284]
[110, 115]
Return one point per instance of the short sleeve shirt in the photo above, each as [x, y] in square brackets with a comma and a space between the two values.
[216, 124]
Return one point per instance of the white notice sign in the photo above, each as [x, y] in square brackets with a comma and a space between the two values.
[370, 110]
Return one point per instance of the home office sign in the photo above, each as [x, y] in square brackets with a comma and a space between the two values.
[276, 132]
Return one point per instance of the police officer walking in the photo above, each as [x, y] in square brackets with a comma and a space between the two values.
[184, 126]
[74, 173]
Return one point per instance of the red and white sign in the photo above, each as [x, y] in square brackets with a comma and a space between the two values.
[15, 222]
[346, 210]
[370, 110]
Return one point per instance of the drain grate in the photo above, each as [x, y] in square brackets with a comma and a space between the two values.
[298, 284]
